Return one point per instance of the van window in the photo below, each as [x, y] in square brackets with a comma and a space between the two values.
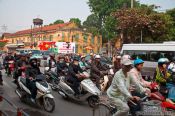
[138, 54]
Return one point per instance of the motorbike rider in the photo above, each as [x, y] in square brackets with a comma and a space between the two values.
[61, 65]
[31, 72]
[117, 64]
[20, 63]
[83, 64]
[119, 91]
[51, 61]
[97, 70]
[1, 80]
[75, 75]
[136, 73]
[162, 76]
[8, 58]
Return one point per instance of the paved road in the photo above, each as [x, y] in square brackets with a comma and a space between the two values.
[63, 107]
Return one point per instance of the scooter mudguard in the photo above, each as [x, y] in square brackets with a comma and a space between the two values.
[48, 95]
[167, 105]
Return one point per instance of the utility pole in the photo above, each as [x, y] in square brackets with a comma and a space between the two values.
[132, 3]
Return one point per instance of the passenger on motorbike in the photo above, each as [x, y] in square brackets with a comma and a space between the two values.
[119, 91]
[97, 70]
[51, 61]
[31, 72]
[61, 66]
[75, 75]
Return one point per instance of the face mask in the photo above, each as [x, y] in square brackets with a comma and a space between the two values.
[34, 64]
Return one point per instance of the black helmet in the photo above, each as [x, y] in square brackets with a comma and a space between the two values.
[32, 59]
[76, 58]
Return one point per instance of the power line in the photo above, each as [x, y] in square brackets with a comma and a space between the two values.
[4, 27]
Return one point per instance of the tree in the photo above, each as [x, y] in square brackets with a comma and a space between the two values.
[92, 24]
[3, 43]
[58, 21]
[76, 21]
[103, 9]
[154, 26]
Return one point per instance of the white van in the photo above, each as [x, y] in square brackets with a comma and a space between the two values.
[150, 53]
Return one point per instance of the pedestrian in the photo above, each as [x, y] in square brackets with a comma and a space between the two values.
[1, 80]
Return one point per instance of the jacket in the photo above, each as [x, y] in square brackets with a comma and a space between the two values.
[120, 86]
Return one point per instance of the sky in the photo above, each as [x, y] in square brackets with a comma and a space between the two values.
[18, 14]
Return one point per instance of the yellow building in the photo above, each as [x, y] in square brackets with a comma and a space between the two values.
[67, 32]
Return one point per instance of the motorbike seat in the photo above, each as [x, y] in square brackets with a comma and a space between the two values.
[23, 80]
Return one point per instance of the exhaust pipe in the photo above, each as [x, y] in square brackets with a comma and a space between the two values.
[62, 93]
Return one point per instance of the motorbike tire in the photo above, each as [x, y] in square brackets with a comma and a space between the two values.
[93, 101]
[51, 102]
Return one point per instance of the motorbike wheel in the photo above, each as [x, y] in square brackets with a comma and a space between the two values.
[93, 101]
[49, 104]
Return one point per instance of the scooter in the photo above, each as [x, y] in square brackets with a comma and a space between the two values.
[89, 91]
[156, 95]
[52, 77]
[44, 97]
[105, 82]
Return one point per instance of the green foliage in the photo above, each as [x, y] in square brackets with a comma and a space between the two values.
[155, 26]
[77, 21]
[58, 21]
[2, 44]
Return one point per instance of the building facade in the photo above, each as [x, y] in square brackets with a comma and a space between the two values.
[67, 32]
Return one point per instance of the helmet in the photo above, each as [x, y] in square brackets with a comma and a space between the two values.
[91, 54]
[163, 61]
[138, 61]
[97, 56]
[31, 59]
[82, 56]
[118, 57]
[76, 58]
[124, 57]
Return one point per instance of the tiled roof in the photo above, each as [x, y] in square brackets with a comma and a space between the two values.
[45, 28]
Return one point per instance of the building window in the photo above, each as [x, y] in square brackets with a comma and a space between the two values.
[68, 37]
[76, 37]
[51, 37]
[92, 39]
[63, 36]
[85, 36]
[76, 48]
[44, 37]
[84, 50]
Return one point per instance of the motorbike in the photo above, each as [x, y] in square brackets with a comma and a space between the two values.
[89, 91]
[52, 77]
[105, 82]
[44, 97]
[156, 95]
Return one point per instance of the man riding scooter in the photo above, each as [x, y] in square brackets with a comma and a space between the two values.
[119, 91]
[97, 70]
[51, 61]
[61, 66]
[75, 75]
[31, 72]
[83, 65]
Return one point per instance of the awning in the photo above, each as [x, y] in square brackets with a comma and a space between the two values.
[21, 45]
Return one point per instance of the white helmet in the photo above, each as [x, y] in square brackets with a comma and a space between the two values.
[125, 57]
[97, 56]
